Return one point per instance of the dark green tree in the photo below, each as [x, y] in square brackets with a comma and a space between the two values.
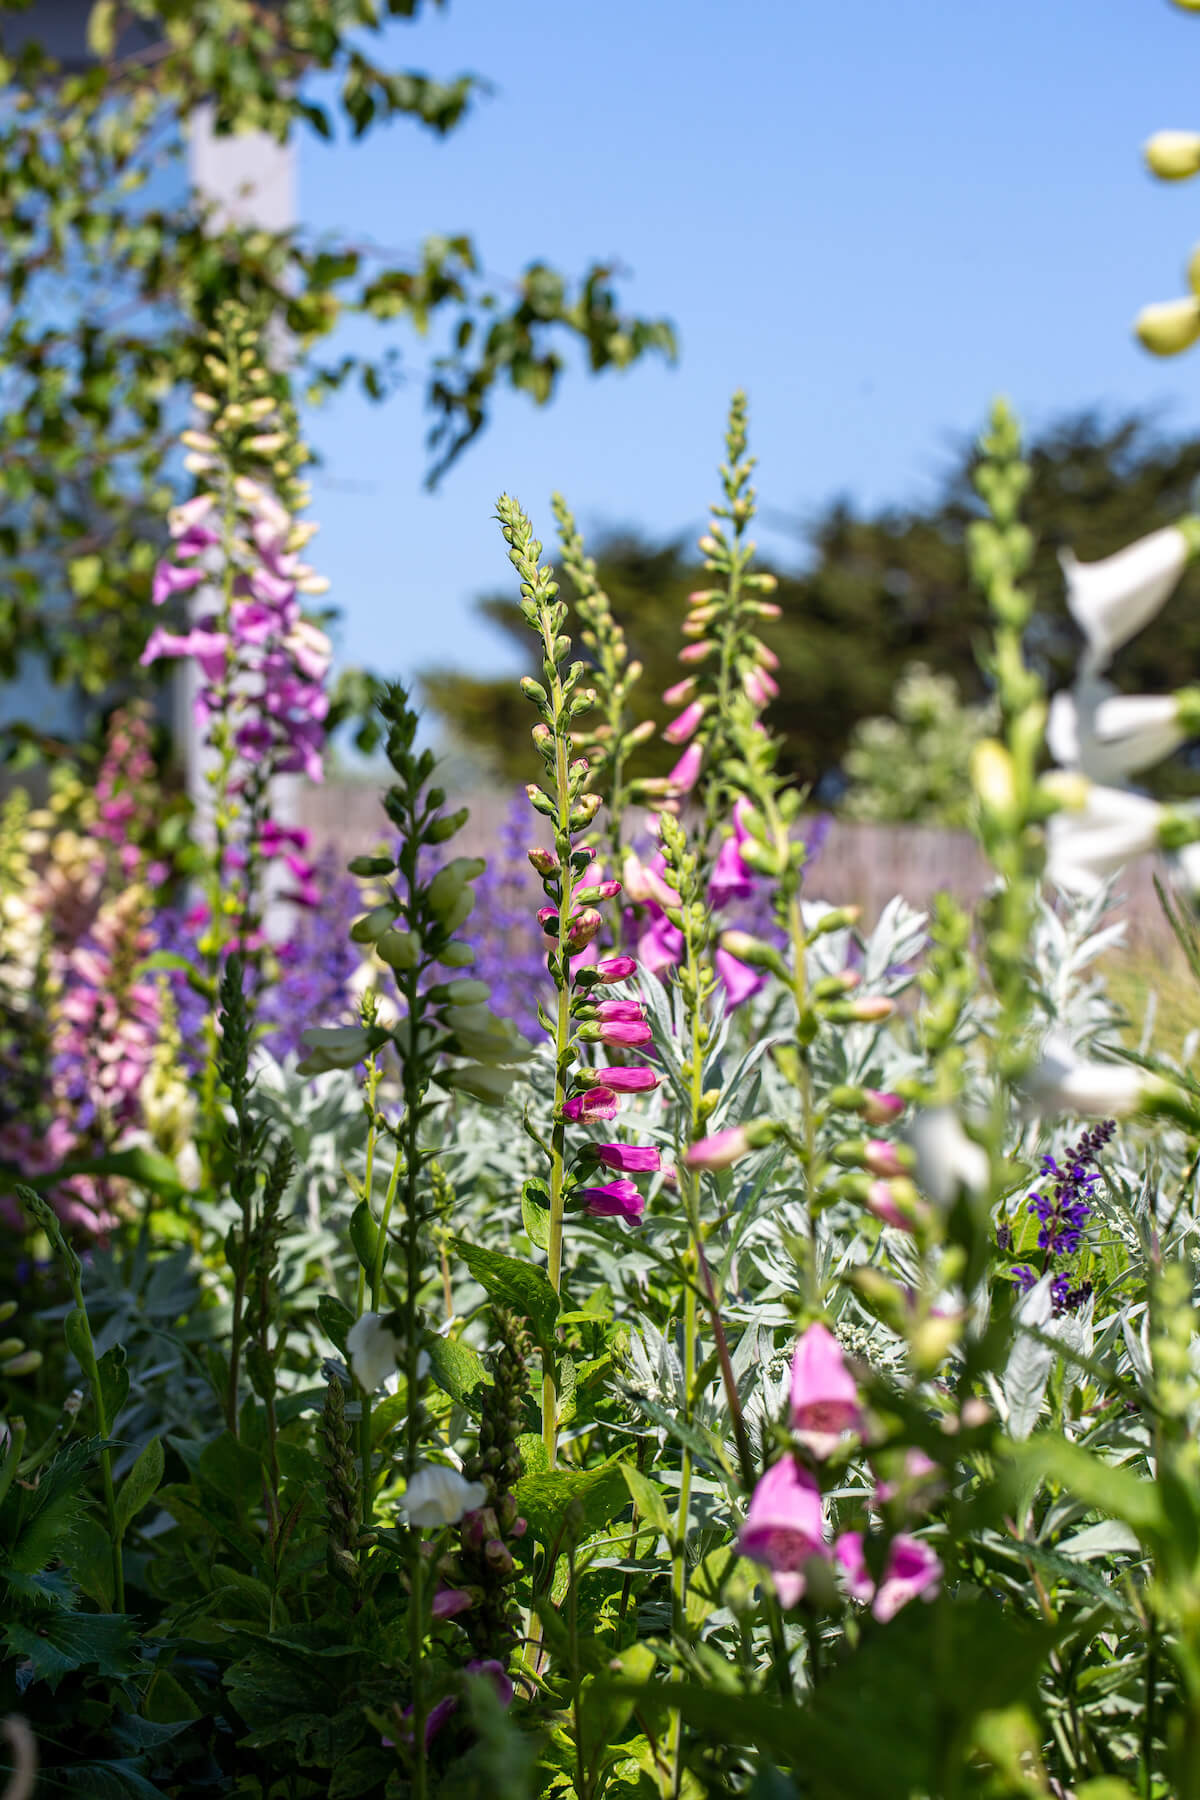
[104, 292]
[884, 589]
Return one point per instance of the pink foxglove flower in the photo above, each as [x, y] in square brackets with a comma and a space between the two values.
[620, 1009]
[824, 1396]
[785, 1527]
[629, 1159]
[881, 1108]
[638, 1079]
[913, 1572]
[449, 1602]
[849, 1555]
[686, 725]
[614, 1200]
[624, 1034]
[613, 968]
[594, 1104]
[686, 773]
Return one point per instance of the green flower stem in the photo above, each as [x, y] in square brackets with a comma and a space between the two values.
[92, 1371]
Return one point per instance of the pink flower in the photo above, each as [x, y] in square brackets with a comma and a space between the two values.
[882, 1158]
[210, 649]
[596, 1103]
[170, 579]
[614, 968]
[880, 1108]
[623, 1034]
[681, 692]
[615, 1200]
[686, 773]
[848, 1552]
[688, 722]
[637, 1080]
[449, 1602]
[824, 1399]
[629, 1159]
[720, 1151]
[913, 1572]
[730, 879]
[785, 1527]
[881, 1201]
[582, 928]
[740, 981]
[660, 946]
[694, 653]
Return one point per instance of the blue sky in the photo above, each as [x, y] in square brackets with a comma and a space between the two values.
[873, 214]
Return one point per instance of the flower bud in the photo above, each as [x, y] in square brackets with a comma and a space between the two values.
[689, 720]
[754, 951]
[1168, 326]
[545, 863]
[457, 956]
[398, 949]
[681, 692]
[725, 1148]
[868, 1010]
[584, 811]
[696, 653]
[372, 925]
[1173, 155]
[364, 866]
[465, 992]
[994, 781]
[881, 1108]
[583, 928]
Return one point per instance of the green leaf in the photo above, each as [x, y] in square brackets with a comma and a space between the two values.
[89, 1558]
[78, 1336]
[711, 1579]
[118, 1780]
[335, 1319]
[84, 572]
[457, 1370]
[1115, 1491]
[65, 1641]
[542, 1499]
[114, 1383]
[535, 1216]
[231, 1469]
[141, 1165]
[364, 1234]
[514, 1284]
[535, 1458]
[647, 1497]
[140, 1485]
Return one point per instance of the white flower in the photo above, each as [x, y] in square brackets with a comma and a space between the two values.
[947, 1159]
[437, 1495]
[1109, 736]
[1111, 600]
[1063, 1082]
[374, 1351]
[1088, 844]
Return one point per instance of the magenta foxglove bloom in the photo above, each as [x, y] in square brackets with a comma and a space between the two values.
[730, 879]
[594, 1104]
[785, 1527]
[615, 1200]
[882, 1203]
[629, 1159]
[620, 1009]
[686, 773]
[741, 981]
[681, 692]
[686, 725]
[696, 653]
[848, 1553]
[613, 968]
[624, 1034]
[882, 1158]
[913, 1572]
[210, 649]
[449, 1602]
[824, 1397]
[636, 1080]
[170, 579]
[720, 1151]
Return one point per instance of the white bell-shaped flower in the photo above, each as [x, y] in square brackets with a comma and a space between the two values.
[437, 1496]
[947, 1159]
[1088, 844]
[1063, 1082]
[1113, 599]
[1109, 736]
[374, 1350]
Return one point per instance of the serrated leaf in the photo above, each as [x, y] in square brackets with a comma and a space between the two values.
[457, 1369]
[140, 1485]
[515, 1284]
[534, 1215]
[65, 1641]
[542, 1499]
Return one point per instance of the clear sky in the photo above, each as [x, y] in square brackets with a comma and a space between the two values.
[873, 214]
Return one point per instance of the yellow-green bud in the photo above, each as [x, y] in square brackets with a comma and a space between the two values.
[372, 925]
[1169, 326]
[457, 955]
[398, 949]
[488, 1085]
[1173, 155]
[465, 992]
[994, 780]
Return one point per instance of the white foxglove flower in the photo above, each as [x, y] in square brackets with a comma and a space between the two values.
[374, 1351]
[1090, 843]
[1063, 1082]
[1111, 600]
[1110, 736]
[437, 1495]
[947, 1159]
